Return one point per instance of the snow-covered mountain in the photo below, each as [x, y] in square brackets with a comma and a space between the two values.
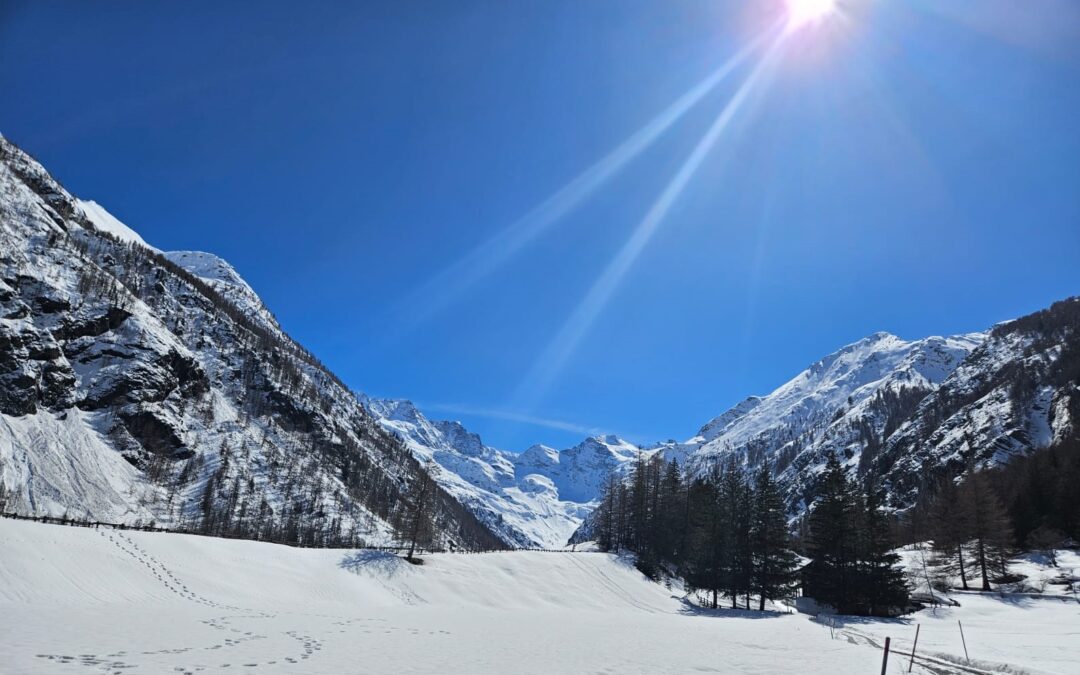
[537, 498]
[221, 276]
[136, 385]
[1018, 391]
[846, 403]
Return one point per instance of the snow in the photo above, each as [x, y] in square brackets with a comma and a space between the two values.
[537, 498]
[224, 278]
[820, 410]
[1037, 631]
[107, 222]
[843, 379]
[54, 462]
[151, 602]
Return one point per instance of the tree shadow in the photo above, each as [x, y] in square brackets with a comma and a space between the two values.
[1016, 599]
[690, 609]
[842, 620]
[374, 563]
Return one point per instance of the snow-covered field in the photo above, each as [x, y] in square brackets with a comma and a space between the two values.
[81, 600]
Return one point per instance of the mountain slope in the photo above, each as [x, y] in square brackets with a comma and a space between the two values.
[1018, 392]
[142, 386]
[848, 403]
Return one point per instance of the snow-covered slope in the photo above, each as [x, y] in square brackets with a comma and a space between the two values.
[908, 411]
[107, 222]
[846, 403]
[224, 279]
[76, 599]
[142, 386]
[534, 499]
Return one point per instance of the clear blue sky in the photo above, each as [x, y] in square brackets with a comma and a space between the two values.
[911, 167]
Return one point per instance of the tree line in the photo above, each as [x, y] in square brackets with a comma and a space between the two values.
[978, 522]
[727, 534]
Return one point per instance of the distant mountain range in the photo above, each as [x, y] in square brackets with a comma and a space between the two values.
[144, 385]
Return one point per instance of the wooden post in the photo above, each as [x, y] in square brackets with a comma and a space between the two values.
[962, 640]
[885, 657]
[912, 662]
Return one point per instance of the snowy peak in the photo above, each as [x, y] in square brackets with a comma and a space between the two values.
[842, 379]
[224, 279]
[584, 468]
[460, 438]
[607, 446]
[209, 267]
[107, 222]
[539, 456]
[719, 424]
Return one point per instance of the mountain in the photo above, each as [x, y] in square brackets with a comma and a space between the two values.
[909, 412]
[848, 403]
[537, 498]
[137, 385]
[1018, 392]
[141, 385]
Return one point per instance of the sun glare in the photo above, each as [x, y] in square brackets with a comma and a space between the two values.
[803, 12]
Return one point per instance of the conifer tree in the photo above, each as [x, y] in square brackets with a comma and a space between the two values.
[700, 562]
[418, 527]
[882, 584]
[950, 531]
[774, 562]
[990, 531]
[828, 577]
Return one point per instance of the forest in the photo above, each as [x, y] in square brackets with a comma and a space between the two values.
[727, 535]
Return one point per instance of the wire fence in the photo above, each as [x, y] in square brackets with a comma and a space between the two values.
[417, 550]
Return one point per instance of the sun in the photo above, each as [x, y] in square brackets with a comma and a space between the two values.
[804, 12]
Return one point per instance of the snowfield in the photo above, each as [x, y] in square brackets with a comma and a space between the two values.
[83, 600]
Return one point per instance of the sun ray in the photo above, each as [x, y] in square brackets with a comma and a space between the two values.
[454, 281]
[565, 342]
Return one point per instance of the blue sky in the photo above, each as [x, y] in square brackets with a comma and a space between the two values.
[909, 167]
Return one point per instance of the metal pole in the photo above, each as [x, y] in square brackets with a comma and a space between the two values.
[912, 662]
[968, 658]
[885, 658]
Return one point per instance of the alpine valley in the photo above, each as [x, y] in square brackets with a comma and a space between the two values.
[138, 385]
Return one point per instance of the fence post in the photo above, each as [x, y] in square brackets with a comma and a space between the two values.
[912, 662]
[885, 657]
[963, 641]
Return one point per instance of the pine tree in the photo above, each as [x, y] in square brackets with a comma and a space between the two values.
[882, 584]
[669, 521]
[700, 559]
[733, 540]
[774, 563]
[828, 577]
